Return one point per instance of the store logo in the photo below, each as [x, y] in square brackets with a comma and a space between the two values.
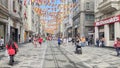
[108, 21]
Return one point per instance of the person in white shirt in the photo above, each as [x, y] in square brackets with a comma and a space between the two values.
[1, 42]
[64, 41]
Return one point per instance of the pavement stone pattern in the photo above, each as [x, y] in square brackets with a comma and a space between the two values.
[92, 57]
[27, 57]
[96, 57]
[61, 58]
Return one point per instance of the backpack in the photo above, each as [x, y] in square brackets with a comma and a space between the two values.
[0, 42]
[14, 47]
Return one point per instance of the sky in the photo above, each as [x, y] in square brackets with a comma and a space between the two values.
[47, 6]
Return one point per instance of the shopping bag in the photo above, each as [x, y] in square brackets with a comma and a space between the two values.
[6, 54]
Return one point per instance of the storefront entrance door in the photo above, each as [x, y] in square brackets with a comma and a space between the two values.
[14, 34]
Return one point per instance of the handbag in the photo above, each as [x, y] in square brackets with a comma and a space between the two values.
[16, 50]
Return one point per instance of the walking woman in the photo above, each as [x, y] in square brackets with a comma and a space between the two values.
[35, 41]
[40, 40]
[12, 49]
[117, 46]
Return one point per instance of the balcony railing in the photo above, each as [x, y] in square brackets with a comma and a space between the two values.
[109, 6]
[4, 3]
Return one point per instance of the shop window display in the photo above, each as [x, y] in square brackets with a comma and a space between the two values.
[2, 33]
[111, 31]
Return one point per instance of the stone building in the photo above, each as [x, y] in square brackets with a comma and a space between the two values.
[18, 20]
[80, 19]
[4, 16]
[107, 20]
[86, 27]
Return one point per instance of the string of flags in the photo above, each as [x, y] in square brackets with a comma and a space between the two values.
[51, 11]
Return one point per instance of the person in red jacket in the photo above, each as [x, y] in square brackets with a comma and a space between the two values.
[117, 46]
[12, 49]
[40, 40]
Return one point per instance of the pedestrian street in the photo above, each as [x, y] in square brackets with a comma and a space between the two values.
[50, 55]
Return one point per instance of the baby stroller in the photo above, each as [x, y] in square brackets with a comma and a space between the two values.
[78, 48]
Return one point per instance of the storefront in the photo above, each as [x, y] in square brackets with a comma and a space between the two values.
[14, 34]
[109, 29]
[69, 31]
[26, 36]
[2, 30]
[75, 31]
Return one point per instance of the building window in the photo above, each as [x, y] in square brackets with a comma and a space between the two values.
[14, 6]
[111, 31]
[89, 17]
[101, 31]
[2, 30]
[88, 5]
[104, 0]
[74, 1]
[4, 3]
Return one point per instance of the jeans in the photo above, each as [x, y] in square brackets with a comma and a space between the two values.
[103, 44]
[11, 61]
[118, 51]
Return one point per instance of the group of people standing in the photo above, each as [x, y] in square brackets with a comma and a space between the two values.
[100, 42]
[77, 41]
[37, 39]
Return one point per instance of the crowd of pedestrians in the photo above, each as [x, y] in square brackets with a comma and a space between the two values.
[38, 40]
[100, 42]
[77, 41]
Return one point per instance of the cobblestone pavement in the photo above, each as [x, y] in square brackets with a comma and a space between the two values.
[27, 57]
[49, 55]
[96, 57]
[57, 57]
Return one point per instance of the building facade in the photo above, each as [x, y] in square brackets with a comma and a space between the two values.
[76, 18]
[86, 27]
[4, 15]
[31, 20]
[68, 21]
[80, 19]
[107, 20]
[18, 20]
[15, 20]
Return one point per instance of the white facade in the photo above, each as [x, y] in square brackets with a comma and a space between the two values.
[15, 22]
[107, 20]
[4, 14]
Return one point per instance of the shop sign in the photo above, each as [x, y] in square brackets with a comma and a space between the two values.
[108, 21]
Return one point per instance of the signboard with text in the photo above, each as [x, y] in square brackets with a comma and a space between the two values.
[108, 21]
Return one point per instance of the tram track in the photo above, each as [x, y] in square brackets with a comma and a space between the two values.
[54, 57]
[76, 65]
[72, 62]
[62, 52]
[58, 57]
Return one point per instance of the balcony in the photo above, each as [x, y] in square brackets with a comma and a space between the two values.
[108, 6]
[4, 3]
[4, 7]
[14, 15]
